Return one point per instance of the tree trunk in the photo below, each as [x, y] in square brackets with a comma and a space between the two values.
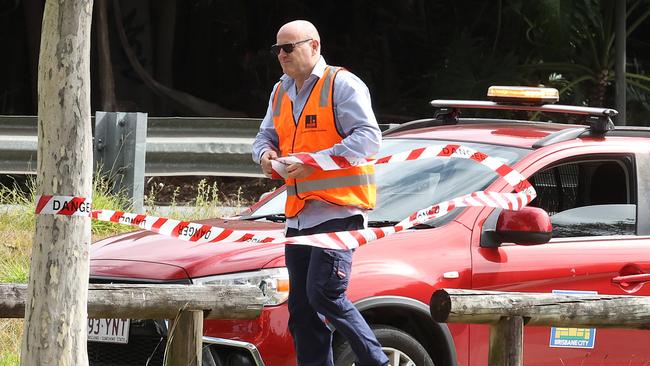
[106, 79]
[164, 15]
[33, 10]
[56, 316]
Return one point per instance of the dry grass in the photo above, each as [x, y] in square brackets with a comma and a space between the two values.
[10, 336]
[17, 230]
[16, 236]
[15, 250]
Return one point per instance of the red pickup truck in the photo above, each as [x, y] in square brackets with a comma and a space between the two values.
[591, 179]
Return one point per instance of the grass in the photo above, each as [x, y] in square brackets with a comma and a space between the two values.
[205, 205]
[17, 226]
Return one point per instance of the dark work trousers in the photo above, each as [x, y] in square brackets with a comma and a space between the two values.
[318, 279]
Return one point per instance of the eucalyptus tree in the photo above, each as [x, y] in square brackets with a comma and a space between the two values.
[55, 315]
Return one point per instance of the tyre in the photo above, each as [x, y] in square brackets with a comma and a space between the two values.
[400, 347]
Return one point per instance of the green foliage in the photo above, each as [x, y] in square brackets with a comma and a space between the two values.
[207, 201]
[17, 228]
[471, 68]
[14, 268]
[573, 49]
[9, 359]
[17, 224]
[19, 215]
[104, 198]
[205, 205]
[10, 338]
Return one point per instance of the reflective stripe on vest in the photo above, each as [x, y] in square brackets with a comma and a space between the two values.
[336, 182]
[326, 90]
[278, 100]
[315, 130]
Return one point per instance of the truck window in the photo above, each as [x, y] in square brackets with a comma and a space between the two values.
[590, 197]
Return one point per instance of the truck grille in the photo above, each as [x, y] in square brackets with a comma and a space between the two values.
[147, 338]
[139, 351]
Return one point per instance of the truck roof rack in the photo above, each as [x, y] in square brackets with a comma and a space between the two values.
[553, 108]
[599, 120]
[576, 132]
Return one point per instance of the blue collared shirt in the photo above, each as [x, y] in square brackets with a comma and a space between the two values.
[354, 119]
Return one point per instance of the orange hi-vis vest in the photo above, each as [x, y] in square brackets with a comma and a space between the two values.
[316, 130]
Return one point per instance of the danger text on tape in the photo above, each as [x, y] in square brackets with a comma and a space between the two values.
[63, 205]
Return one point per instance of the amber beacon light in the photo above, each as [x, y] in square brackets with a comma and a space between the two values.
[523, 95]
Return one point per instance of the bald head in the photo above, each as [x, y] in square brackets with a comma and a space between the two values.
[301, 29]
[300, 61]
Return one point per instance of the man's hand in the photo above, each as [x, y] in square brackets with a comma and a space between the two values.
[299, 171]
[265, 162]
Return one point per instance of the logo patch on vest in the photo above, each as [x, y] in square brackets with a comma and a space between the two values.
[310, 121]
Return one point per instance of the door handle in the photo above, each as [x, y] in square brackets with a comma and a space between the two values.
[629, 279]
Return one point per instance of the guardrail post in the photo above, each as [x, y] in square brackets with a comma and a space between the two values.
[185, 339]
[507, 342]
[120, 146]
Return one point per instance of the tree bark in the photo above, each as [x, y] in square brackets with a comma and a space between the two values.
[106, 79]
[33, 10]
[56, 317]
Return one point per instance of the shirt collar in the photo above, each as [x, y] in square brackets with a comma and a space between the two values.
[317, 71]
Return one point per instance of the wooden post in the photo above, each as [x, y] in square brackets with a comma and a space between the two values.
[541, 309]
[506, 342]
[184, 340]
[506, 311]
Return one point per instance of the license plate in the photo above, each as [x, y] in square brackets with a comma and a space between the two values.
[108, 330]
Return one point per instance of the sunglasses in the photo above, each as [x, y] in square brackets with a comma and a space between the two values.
[287, 47]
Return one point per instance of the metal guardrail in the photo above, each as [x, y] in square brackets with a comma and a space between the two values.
[175, 146]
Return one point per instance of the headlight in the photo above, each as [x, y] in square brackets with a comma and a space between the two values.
[274, 282]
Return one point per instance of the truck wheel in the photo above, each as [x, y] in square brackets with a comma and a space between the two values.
[400, 347]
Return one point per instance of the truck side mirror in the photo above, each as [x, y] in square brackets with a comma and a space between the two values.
[527, 226]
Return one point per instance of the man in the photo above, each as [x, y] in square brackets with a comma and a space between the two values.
[321, 109]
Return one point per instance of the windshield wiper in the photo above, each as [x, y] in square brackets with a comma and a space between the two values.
[382, 223]
[422, 226]
[269, 217]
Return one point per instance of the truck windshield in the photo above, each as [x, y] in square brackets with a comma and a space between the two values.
[405, 187]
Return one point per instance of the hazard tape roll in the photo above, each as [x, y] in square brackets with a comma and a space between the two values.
[200, 233]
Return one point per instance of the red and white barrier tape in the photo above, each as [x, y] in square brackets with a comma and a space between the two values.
[63, 205]
[200, 233]
[185, 230]
[328, 162]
